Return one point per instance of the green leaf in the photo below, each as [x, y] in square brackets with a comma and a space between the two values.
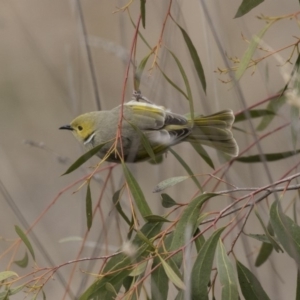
[260, 237]
[267, 156]
[200, 275]
[13, 291]
[159, 281]
[22, 263]
[139, 269]
[199, 241]
[120, 266]
[136, 192]
[139, 71]
[89, 207]
[264, 253]
[156, 218]
[298, 286]
[143, 12]
[116, 201]
[145, 142]
[246, 6]
[188, 219]
[226, 274]
[169, 182]
[203, 153]
[294, 125]
[195, 57]
[167, 201]
[274, 105]
[82, 159]
[7, 274]
[286, 230]
[187, 168]
[171, 274]
[250, 286]
[25, 240]
[244, 63]
[174, 85]
[254, 113]
[187, 85]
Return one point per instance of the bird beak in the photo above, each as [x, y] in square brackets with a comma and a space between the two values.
[68, 127]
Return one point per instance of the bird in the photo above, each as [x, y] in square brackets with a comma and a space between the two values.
[141, 119]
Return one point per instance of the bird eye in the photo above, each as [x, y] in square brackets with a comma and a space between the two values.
[79, 128]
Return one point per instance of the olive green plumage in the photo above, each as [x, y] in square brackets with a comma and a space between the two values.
[162, 128]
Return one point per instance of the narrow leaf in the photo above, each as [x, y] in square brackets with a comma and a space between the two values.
[22, 263]
[89, 208]
[145, 142]
[7, 274]
[139, 269]
[203, 153]
[171, 274]
[246, 6]
[195, 57]
[82, 159]
[199, 241]
[286, 230]
[226, 274]
[159, 281]
[250, 286]
[244, 63]
[274, 105]
[116, 201]
[298, 286]
[187, 85]
[167, 201]
[294, 125]
[143, 12]
[140, 70]
[200, 275]
[187, 168]
[264, 253]
[188, 219]
[137, 193]
[25, 240]
[267, 156]
[169, 182]
[254, 113]
[156, 218]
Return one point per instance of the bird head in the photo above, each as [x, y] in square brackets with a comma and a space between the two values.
[83, 127]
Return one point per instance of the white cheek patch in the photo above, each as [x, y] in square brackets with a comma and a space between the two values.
[89, 139]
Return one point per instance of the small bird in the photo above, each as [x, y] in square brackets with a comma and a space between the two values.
[161, 128]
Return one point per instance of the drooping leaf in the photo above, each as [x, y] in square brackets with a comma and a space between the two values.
[226, 274]
[187, 168]
[136, 192]
[263, 254]
[274, 105]
[167, 201]
[172, 274]
[145, 142]
[139, 269]
[169, 182]
[246, 6]
[88, 207]
[250, 286]
[25, 240]
[254, 113]
[194, 56]
[244, 63]
[298, 286]
[22, 263]
[286, 230]
[187, 84]
[200, 275]
[116, 201]
[203, 153]
[156, 218]
[267, 156]
[139, 71]
[7, 274]
[82, 159]
[119, 266]
[143, 12]
[294, 125]
[199, 241]
[11, 291]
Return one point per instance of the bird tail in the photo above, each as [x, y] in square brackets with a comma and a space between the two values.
[214, 131]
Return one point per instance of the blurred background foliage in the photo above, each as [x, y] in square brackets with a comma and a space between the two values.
[59, 59]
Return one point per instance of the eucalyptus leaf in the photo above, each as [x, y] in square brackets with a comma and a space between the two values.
[116, 201]
[167, 201]
[169, 182]
[22, 263]
[143, 12]
[253, 113]
[246, 6]
[89, 207]
[25, 240]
